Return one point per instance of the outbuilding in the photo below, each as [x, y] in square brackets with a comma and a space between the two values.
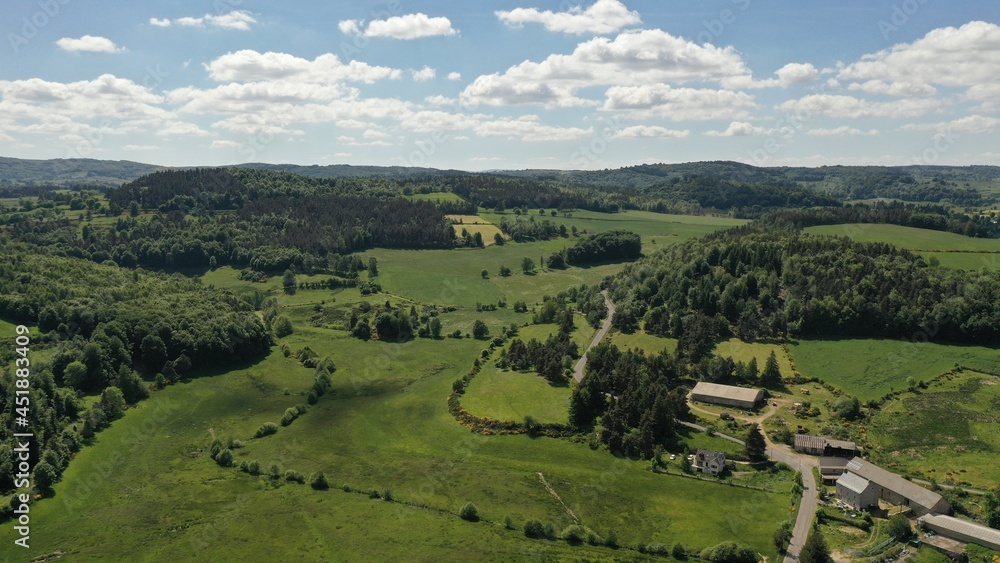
[962, 530]
[727, 395]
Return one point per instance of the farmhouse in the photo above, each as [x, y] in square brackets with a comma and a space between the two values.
[962, 530]
[857, 491]
[832, 467]
[817, 445]
[886, 486]
[727, 395]
[709, 462]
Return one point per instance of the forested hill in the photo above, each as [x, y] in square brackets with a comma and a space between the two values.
[935, 184]
[757, 282]
[70, 172]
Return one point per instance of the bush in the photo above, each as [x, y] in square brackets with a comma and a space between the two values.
[293, 476]
[611, 540]
[508, 523]
[282, 326]
[291, 413]
[679, 553]
[534, 529]
[899, 528]
[469, 512]
[253, 468]
[225, 458]
[387, 495]
[266, 429]
[573, 534]
[730, 552]
[318, 481]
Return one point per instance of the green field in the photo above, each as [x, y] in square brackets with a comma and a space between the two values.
[640, 340]
[949, 432]
[908, 237]
[746, 351]
[511, 395]
[966, 260]
[870, 369]
[150, 472]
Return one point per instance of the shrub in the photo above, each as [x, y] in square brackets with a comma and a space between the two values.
[730, 552]
[318, 481]
[469, 512]
[678, 552]
[346, 488]
[387, 495]
[533, 529]
[291, 413]
[253, 468]
[225, 458]
[573, 534]
[508, 523]
[611, 540]
[266, 429]
[274, 472]
[293, 476]
[374, 494]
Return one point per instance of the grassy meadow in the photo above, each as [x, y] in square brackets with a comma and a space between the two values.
[949, 432]
[148, 480]
[870, 369]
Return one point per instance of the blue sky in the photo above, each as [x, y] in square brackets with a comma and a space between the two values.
[502, 84]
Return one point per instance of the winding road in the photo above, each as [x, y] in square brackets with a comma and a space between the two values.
[601, 333]
[777, 452]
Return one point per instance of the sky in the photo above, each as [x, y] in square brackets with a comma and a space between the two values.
[505, 84]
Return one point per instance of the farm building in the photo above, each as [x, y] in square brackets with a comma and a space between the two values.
[832, 467]
[727, 395]
[817, 445]
[857, 491]
[962, 530]
[889, 487]
[709, 462]
[814, 445]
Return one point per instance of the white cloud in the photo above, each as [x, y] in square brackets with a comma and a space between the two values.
[89, 44]
[788, 75]
[439, 100]
[424, 74]
[236, 19]
[963, 57]
[224, 144]
[740, 129]
[632, 58]
[454, 76]
[650, 132]
[140, 147]
[604, 16]
[248, 65]
[840, 106]
[679, 104]
[409, 26]
[971, 124]
[529, 128]
[842, 131]
[181, 129]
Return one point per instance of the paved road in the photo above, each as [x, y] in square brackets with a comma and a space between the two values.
[605, 327]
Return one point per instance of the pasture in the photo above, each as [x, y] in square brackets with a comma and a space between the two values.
[870, 368]
[949, 432]
[908, 237]
[475, 224]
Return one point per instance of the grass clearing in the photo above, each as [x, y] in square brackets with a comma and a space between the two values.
[744, 352]
[641, 340]
[870, 369]
[475, 224]
[908, 237]
[949, 432]
[511, 395]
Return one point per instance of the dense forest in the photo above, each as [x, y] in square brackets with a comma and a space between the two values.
[266, 221]
[103, 328]
[933, 217]
[758, 282]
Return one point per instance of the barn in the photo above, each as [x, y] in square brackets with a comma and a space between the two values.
[962, 530]
[727, 395]
[889, 487]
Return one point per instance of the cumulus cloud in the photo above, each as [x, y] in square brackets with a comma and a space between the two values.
[181, 129]
[409, 26]
[529, 128]
[604, 16]
[631, 58]
[248, 65]
[740, 129]
[842, 131]
[971, 124]
[962, 57]
[788, 75]
[424, 74]
[850, 107]
[236, 19]
[454, 76]
[89, 44]
[679, 104]
[650, 132]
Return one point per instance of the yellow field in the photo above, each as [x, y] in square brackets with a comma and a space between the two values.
[475, 224]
